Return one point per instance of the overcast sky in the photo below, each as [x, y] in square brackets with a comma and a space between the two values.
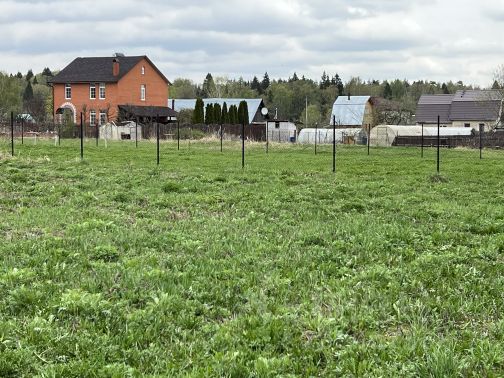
[381, 39]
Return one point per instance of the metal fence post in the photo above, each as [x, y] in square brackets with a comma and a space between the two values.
[136, 132]
[369, 140]
[22, 130]
[178, 135]
[157, 137]
[438, 142]
[422, 140]
[81, 136]
[334, 144]
[97, 134]
[316, 135]
[481, 141]
[243, 145]
[267, 136]
[12, 133]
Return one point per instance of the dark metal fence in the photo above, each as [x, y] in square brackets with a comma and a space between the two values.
[325, 141]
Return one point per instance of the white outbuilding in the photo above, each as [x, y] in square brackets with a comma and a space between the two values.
[281, 131]
[123, 131]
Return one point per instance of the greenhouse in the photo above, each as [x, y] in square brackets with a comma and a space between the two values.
[343, 136]
[386, 135]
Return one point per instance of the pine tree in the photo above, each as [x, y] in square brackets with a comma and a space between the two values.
[255, 85]
[35, 81]
[225, 114]
[29, 75]
[199, 112]
[209, 113]
[387, 91]
[445, 89]
[19, 75]
[339, 84]
[47, 72]
[265, 82]
[324, 82]
[496, 85]
[233, 115]
[217, 113]
[28, 93]
[209, 88]
[294, 77]
[243, 114]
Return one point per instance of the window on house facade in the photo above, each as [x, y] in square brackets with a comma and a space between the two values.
[103, 118]
[92, 117]
[68, 91]
[142, 92]
[102, 91]
[143, 70]
[467, 125]
[92, 91]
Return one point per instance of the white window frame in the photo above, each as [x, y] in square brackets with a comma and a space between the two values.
[92, 117]
[102, 91]
[68, 91]
[143, 92]
[143, 70]
[103, 118]
[92, 91]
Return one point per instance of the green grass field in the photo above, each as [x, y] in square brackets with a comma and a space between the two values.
[113, 267]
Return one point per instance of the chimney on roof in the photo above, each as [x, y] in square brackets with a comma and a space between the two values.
[115, 67]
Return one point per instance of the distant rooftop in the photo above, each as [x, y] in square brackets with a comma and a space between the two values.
[464, 105]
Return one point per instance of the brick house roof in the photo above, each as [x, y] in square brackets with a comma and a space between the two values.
[99, 69]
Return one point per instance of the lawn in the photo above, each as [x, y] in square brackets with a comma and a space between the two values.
[114, 267]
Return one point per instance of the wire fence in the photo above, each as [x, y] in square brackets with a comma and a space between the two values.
[487, 144]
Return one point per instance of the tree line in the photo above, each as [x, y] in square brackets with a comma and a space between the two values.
[26, 94]
[29, 93]
[288, 97]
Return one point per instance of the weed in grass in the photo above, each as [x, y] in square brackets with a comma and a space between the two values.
[171, 187]
[438, 179]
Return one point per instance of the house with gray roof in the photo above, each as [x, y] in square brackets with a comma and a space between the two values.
[352, 112]
[465, 108]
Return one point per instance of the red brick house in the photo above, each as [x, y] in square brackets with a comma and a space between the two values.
[100, 87]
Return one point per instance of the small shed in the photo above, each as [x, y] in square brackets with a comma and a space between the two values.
[123, 131]
[385, 135]
[281, 131]
[343, 136]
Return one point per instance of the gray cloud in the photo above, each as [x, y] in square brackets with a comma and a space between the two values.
[382, 39]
